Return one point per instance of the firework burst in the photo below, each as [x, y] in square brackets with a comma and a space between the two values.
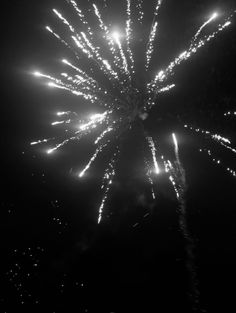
[122, 101]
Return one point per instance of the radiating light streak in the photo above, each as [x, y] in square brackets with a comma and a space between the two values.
[64, 20]
[152, 35]
[212, 18]
[228, 147]
[139, 5]
[123, 57]
[153, 151]
[94, 121]
[170, 169]
[61, 122]
[41, 141]
[63, 113]
[150, 180]
[218, 138]
[109, 38]
[150, 47]
[126, 102]
[167, 88]
[58, 83]
[48, 28]
[176, 145]
[79, 12]
[128, 35]
[186, 55]
[88, 78]
[93, 158]
[217, 161]
[107, 182]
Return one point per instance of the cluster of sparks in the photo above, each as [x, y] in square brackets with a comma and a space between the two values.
[229, 113]
[120, 100]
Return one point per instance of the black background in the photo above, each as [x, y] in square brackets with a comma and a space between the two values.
[113, 267]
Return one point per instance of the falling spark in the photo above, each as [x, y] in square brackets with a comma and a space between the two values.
[153, 151]
[107, 182]
[230, 113]
[63, 113]
[217, 161]
[99, 149]
[41, 141]
[218, 138]
[150, 180]
[212, 18]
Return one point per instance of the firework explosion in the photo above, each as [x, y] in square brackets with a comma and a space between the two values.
[121, 100]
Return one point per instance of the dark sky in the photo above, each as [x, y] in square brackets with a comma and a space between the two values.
[55, 258]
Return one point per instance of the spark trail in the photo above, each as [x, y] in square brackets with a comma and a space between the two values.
[103, 73]
[179, 180]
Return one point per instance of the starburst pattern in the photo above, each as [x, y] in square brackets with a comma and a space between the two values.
[115, 91]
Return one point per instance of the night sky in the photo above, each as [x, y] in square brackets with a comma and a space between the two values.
[54, 255]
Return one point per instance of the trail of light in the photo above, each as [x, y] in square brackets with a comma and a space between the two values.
[215, 137]
[77, 93]
[41, 141]
[170, 169]
[80, 14]
[52, 32]
[153, 151]
[212, 18]
[150, 180]
[48, 28]
[105, 4]
[178, 179]
[86, 76]
[150, 46]
[63, 113]
[64, 20]
[103, 134]
[158, 5]
[163, 75]
[61, 122]
[39, 74]
[228, 147]
[60, 85]
[84, 44]
[107, 182]
[81, 47]
[93, 158]
[139, 5]
[107, 69]
[128, 35]
[94, 121]
[165, 89]
[176, 146]
[63, 143]
[107, 36]
[76, 80]
[123, 57]
[218, 161]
